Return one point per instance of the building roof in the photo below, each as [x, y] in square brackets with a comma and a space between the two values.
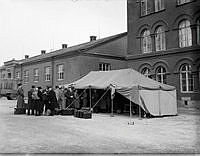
[77, 49]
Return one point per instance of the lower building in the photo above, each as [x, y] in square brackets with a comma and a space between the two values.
[69, 63]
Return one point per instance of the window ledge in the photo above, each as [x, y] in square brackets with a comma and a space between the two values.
[188, 92]
[153, 12]
[179, 5]
[60, 79]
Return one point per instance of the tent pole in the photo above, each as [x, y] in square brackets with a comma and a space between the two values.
[130, 116]
[112, 115]
[90, 97]
[140, 116]
[139, 112]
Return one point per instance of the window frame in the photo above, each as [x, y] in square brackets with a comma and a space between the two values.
[60, 72]
[17, 76]
[36, 75]
[159, 5]
[146, 41]
[198, 31]
[47, 75]
[161, 40]
[181, 2]
[186, 72]
[104, 66]
[26, 76]
[185, 34]
[146, 72]
[161, 74]
[144, 8]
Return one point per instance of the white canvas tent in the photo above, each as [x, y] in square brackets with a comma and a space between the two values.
[155, 98]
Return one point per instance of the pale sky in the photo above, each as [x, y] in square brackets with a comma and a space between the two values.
[29, 26]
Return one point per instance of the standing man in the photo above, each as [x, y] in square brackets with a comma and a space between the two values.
[45, 98]
[41, 103]
[20, 96]
[30, 101]
[52, 101]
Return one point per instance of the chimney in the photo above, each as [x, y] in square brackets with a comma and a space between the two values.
[93, 38]
[64, 46]
[26, 56]
[43, 51]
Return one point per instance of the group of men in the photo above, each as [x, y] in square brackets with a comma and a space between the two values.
[47, 101]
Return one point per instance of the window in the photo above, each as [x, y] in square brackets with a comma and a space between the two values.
[183, 1]
[26, 76]
[159, 5]
[60, 72]
[47, 74]
[161, 74]
[144, 7]
[186, 78]
[199, 77]
[146, 72]
[36, 75]
[160, 39]
[9, 75]
[198, 31]
[185, 34]
[17, 75]
[104, 66]
[146, 42]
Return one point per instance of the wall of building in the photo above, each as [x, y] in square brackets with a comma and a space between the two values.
[173, 57]
[117, 47]
[169, 18]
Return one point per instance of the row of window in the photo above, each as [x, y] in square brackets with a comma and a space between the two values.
[47, 75]
[60, 72]
[185, 37]
[145, 6]
[187, 78]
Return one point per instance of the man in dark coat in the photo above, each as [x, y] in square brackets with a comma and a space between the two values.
[30, 101]
[41, 103]
[20, 96]
[52, 101]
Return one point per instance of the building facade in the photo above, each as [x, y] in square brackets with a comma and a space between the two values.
[164, 44]
[69, 63]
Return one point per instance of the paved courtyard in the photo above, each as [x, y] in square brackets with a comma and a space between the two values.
[101, 134]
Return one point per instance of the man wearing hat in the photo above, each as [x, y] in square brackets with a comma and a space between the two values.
[20, 96]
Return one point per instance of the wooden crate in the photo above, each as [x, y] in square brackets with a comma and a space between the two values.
[68, 111]
[87, 115]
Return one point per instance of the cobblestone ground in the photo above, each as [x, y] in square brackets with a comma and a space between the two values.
[101, 134]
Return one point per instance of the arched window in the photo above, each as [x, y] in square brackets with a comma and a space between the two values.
[161, 74]
[198, 31]
[160, 39]
[146, 42]
[186, 78]
[159, 5]
[185, 34]
[146, 72]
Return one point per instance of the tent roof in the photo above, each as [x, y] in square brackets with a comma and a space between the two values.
[124, 78]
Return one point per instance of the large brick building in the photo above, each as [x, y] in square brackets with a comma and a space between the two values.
[164, 43]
